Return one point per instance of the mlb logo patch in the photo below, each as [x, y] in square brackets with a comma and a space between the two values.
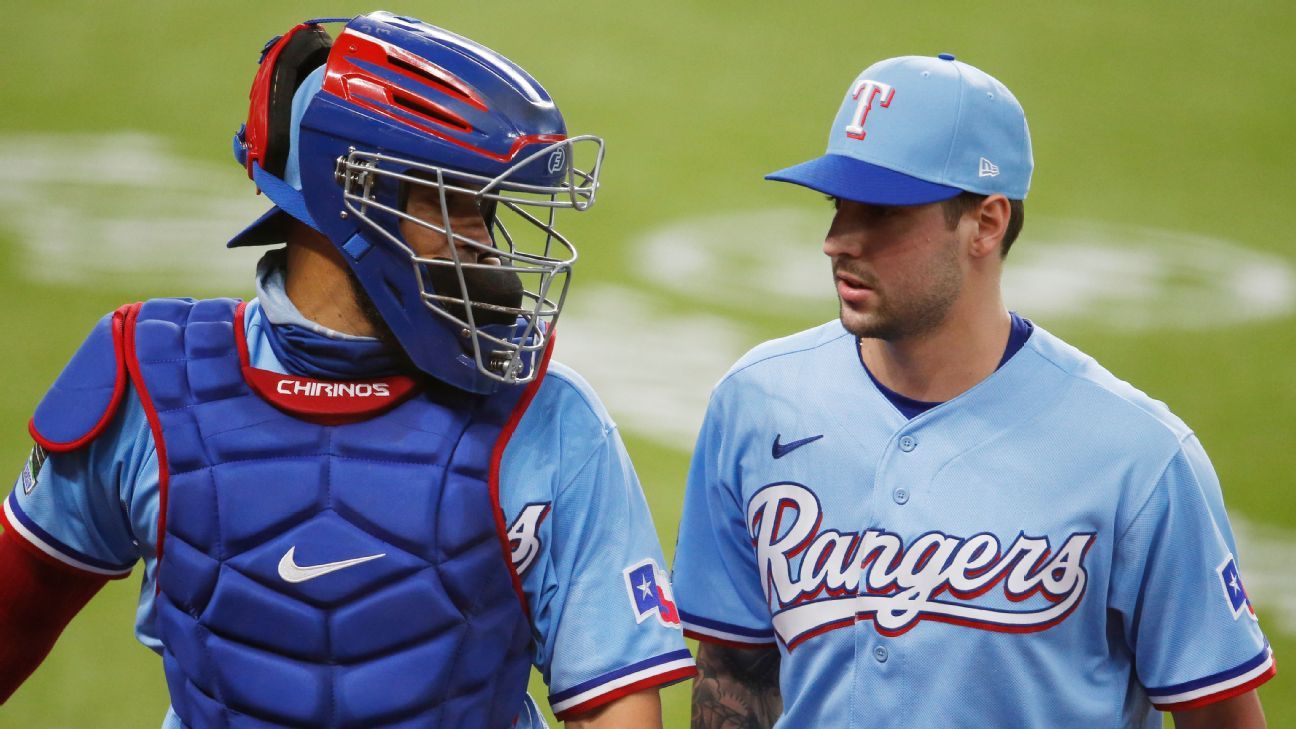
[650, 593]
[1234, 592]
[31, 471]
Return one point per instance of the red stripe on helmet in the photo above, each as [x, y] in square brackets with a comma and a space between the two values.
[345, 77]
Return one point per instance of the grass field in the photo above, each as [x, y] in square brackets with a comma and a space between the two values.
[1161, 204]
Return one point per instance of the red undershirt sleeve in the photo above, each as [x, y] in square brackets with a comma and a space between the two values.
[37, 600]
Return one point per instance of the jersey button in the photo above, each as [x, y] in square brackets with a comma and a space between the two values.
[908, 443]
[901, 496]
[881, 654]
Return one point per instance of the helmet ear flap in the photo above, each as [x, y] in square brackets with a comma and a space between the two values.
[285, 63]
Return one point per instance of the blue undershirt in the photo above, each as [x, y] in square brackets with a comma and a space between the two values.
[310, 349]
[911, 408]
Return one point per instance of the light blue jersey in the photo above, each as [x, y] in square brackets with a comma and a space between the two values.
[579, 529]
[1049, 548]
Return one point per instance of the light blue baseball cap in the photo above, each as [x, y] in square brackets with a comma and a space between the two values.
[917, 129]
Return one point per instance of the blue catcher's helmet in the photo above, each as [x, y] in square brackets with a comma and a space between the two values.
[399, 104]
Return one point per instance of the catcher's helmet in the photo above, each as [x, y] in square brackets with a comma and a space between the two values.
[341, 130]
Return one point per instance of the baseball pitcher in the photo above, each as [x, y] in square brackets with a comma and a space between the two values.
[932, 512]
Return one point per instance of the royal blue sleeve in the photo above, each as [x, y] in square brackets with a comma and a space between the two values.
[715, 572]
[1178, 590]
[591, 564]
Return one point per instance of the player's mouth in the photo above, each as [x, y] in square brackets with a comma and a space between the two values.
[852, 289]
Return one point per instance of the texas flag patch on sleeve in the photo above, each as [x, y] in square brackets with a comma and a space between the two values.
[650, 593]
[1234, 592]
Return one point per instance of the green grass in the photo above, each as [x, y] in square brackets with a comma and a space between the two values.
[1172, 115]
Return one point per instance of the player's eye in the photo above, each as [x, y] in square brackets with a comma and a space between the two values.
[836, 202]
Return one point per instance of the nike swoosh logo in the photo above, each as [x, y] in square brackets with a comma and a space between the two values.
[782, 449]
[290, 571]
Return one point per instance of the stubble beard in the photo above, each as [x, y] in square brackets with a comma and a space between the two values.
[897, 317]
[370, 312]
[381, 331]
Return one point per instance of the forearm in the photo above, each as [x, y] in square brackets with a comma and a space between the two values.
[37, 600]
[1238, 712]
[640, 710]
[736, 688]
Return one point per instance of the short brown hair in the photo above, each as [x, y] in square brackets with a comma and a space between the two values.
[965, 202]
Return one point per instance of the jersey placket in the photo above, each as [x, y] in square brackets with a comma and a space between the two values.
[881, 659]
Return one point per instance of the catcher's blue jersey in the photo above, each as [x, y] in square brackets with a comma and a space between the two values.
[580, 531]
[1049, 548]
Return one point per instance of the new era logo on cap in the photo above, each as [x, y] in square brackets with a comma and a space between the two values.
[917, 129]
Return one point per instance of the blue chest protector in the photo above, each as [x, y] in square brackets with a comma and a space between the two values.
[315, 570]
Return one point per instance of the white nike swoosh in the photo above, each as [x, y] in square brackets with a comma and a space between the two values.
[290, 571]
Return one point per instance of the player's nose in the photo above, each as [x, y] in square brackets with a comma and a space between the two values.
[839, 244]
[842, 239]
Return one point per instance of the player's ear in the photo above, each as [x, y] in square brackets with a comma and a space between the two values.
[991, 217]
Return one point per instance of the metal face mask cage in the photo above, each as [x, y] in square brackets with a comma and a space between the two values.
[534, 249]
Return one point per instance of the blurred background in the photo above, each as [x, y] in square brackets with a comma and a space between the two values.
[1158, 229]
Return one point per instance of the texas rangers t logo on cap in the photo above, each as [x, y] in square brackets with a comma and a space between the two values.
[935, 126]
[866, 91]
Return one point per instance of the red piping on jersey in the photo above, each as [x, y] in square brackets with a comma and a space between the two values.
[497, 455]
[119, 389]
[1209, 699]
[820, 630]
[155, 424]
[11, 532]
[659, 680]
[948, 619]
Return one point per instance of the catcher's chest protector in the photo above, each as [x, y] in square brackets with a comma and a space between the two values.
[324, 575]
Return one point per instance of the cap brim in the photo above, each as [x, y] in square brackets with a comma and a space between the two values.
[273, 226]
[851, 179]
[270, 228]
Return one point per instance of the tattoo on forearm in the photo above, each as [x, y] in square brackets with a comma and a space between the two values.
[736, 688]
